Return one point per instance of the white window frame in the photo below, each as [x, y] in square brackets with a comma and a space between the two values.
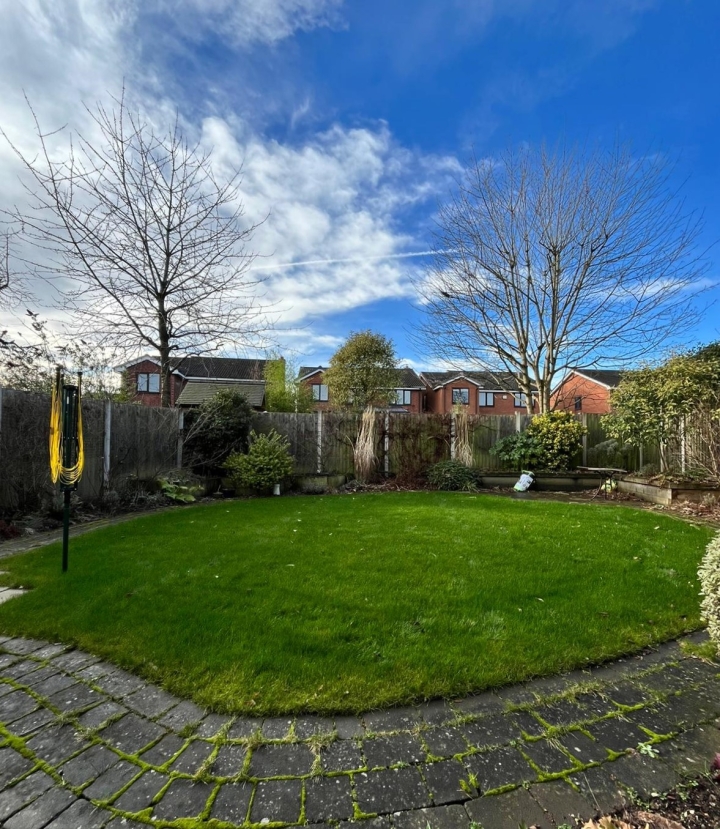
[403, 397]
[520, 399]
[461, 392]
[489, 398]
[320, 392]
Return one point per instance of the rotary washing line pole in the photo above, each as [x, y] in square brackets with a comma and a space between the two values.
[67, 453]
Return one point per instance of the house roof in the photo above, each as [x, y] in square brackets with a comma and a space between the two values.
[198, 391]
[306, 371]
[405, 378]
[605, 376]
[211, 368]
[491, 380]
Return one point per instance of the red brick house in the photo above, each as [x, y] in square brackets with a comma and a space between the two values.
[195, 379]
[586, 390]
[409, 389]
[482, 392]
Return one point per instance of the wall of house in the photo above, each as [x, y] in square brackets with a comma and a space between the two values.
[439, 401]
[595, 397]
[151, 398]
[416, 397]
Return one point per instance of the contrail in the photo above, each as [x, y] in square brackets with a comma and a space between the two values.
[285, 265]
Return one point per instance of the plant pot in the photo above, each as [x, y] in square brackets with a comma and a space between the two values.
[276, 489]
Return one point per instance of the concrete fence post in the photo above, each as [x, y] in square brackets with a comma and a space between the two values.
[518, 422]
[106, 444]
[386, 444]
[453, 433]
[584, 438]
[180, 436]
[319, 438]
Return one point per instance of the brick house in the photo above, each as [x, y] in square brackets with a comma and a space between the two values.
[195, 379]
[586, 390]
[409, 388]
[482, 392]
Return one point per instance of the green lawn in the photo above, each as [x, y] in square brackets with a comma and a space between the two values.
[344, 603]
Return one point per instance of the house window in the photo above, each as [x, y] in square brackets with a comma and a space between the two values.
[320, 392]
[403, 397]
[148, 382]
[520, 400]
[578, 404]
[486, 398]
[461, 396]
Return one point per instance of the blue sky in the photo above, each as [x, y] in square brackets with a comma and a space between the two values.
[353, 119]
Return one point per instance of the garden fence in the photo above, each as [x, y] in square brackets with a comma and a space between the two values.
[126, 441]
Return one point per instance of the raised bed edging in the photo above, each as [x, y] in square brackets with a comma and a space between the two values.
[544, 481]
[668, 493]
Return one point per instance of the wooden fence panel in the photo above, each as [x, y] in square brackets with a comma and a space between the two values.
[301, 432]
[416, 442]
[143, 442]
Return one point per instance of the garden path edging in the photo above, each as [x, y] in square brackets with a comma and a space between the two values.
[85, 743]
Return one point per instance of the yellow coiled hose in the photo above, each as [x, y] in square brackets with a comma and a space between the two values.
[68, 476]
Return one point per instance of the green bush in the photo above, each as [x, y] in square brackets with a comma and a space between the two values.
[559, 435]
[549, 442]
[267, 463]
[452, 476]
[216, 429]
[520, 451]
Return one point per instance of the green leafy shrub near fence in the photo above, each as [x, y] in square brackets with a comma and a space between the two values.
[267, 463]
[549, 442]
[709, 575]
[216, 429]
[452, 476]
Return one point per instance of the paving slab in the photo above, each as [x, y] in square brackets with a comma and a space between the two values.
[438, 817]
[212, 724]
[101, 714]
[80, 815]
[547, 756]
[56, 743]
[16, 797]
[443, 780]
[193, 757]
[285, 760]
[389, 751]
[182, 716]
[277, 800]
[693, 751]
[394, 719]
[562, 802]
[165, 750]
[87, 766]
[328, 798]
[507, 811]
[132, 733]
[12, 765]
[108, 784]
[583, 748]
[391, 790]
[499, 767]
[232, 802]
[150, 702]
[444, 742]
[183, 799]
[141, 793]
[229, 761]
[646, 776]
[41, 811]
[348, 727]
[342, 755]
[600, 790]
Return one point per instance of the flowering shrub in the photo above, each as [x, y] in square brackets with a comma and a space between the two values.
[267, 462]
[709, 574]
[549, 442]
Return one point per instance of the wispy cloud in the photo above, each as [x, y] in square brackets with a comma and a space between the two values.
[310, 262]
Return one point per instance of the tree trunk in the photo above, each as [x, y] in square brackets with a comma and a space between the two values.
[165, 375]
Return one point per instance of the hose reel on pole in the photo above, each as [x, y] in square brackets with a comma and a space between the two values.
[67, 451]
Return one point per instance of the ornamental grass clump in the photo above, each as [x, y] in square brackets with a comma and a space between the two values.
[709, 575]
[268, 462]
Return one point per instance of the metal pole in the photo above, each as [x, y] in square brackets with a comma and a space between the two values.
[66, 531]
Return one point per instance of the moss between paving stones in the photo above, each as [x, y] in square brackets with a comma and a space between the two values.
[315, 743]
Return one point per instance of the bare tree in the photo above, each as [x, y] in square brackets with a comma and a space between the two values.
[548, 260]
[150, 240]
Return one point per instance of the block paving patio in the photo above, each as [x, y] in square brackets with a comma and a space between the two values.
[86, 744]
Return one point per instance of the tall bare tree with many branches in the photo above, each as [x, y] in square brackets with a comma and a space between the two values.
[151, 243]
[551, 259]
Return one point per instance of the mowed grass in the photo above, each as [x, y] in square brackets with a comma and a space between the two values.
[345, 603]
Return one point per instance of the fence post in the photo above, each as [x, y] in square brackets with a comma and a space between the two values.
[583, 419]
[386, 444]
[518, 422]
[683, 447]
[1, 408]
[452, 436]
[319, 440]
[180, 428]
[106, 444]
[641, 459]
